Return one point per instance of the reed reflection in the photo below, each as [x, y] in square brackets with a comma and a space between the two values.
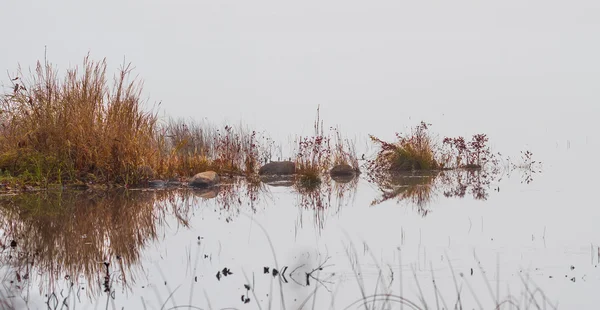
[420, 189]
[97, 238]
[81, 237]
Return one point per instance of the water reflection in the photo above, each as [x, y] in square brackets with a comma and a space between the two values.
[415, 188]
[420, 189]
[64, 235]
[94, 241]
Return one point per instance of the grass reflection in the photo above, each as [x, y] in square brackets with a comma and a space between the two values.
[68, 235]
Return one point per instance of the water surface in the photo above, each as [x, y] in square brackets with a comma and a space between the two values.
[519, 238]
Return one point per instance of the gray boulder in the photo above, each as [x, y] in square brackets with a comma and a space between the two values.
[342, 170]
[278, 168]
[205, 179]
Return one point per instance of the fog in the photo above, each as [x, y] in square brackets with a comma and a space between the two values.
[517, 70]
[527, 73]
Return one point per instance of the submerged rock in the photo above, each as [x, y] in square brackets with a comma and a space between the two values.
[278, 168]
[205, 179]
[157, 184]
[278, 180]
[175, 182]
[343, 170]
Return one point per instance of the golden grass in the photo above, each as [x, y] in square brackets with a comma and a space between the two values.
[61, 130]
[413, 151]
[344, 151]
[313, 155]
[191, 147]
[81, 128]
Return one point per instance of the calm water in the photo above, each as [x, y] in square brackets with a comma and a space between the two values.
[347, 245]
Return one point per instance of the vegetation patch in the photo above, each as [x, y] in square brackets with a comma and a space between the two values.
[313, 155]
[82, 129]
[412, 151]
[473, 154]
[192, 147]
[63, 130]
[418, 150]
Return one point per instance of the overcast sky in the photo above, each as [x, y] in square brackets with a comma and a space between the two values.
[517, 70]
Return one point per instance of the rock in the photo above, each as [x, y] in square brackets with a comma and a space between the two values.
[204, 179]
[175, 182]
[342, 170]
[157, 184]
[278, 168]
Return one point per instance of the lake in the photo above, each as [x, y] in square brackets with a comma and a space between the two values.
[519, 239]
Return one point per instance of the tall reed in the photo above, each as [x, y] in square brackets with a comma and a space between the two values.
[78, 127]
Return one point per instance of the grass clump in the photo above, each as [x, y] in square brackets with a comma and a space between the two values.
[191, 147]
[344, 152]
[316, 155]
[413, 151]
[313, 156]
[419, 151]
[70, 129]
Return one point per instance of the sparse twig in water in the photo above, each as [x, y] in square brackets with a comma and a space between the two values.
[273, 253]
[421, 296]
[354, 267]
[436, 290]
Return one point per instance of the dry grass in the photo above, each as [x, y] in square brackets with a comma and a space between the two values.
[192, 147]
[317, 154]
[76, 128]
[186, 147]
[459, 153]
[313, 156]
[81, 128]
[419, 151]
[413, 151]
[344, 151]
